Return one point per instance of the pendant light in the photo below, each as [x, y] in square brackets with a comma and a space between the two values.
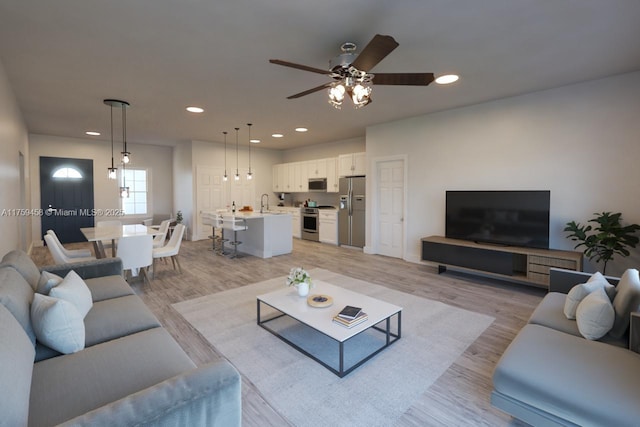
[237, 176]
[126, 156]
[249, 174]
[225, 177]
[112, 172]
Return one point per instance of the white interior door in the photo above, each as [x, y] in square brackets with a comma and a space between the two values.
[390, 209]
[209, 196]
[242, 191]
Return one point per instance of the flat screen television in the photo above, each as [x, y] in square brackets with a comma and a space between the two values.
[512, 218]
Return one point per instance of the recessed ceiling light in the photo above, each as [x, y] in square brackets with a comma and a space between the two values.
[277, 135]
[195, 110]
[301, 129]
[447, 79]
[92, 133]
[255, 141]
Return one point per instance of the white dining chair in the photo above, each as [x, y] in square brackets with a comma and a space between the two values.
[70, 253]
[171, 249]
[58, 255]
[136, 254]
[159, 239]
[112, 243]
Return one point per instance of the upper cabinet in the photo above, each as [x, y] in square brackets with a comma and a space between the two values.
[294, 177]
[352, 164]
[318, 168]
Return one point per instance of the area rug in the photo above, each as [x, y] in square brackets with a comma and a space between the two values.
[377, 393]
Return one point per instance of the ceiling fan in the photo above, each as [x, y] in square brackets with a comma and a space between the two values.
[351, 76]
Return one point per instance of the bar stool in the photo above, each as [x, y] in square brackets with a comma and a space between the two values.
[234, 224]
[218, 224]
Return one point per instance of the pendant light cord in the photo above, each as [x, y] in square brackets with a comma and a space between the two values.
[237, 173]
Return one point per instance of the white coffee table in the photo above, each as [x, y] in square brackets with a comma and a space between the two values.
[287, 302]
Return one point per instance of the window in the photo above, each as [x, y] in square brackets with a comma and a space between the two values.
[67, 173]
[136, 180]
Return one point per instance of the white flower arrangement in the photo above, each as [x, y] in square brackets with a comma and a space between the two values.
[298, 275]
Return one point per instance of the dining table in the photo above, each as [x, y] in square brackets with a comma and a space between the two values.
[97, 235]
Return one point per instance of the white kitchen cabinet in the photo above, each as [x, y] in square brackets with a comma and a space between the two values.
[296, 229]
[300, 182]
[277, 178]
[328, 219]
[317, 168]
[352, 164]
[332, 175]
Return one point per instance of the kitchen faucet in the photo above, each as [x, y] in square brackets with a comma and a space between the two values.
[262, 202]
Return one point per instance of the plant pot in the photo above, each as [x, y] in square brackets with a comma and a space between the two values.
[303, 289]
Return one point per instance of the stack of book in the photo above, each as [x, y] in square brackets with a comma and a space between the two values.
[350, 316]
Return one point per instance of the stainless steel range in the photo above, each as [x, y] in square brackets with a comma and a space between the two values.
[310, 224]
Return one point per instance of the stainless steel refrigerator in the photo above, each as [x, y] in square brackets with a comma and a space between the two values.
[351, 213]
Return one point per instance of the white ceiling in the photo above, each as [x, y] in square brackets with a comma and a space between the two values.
[64, 57]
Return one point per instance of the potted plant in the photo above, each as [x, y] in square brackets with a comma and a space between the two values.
[299, 278]
[604, 240]
[179, 217]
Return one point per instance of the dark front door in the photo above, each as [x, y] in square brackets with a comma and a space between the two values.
[66, 196]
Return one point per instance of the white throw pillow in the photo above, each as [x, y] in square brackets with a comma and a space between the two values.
[57, 324]
[73, 289]
[595, 315]
[579, 292]
[47, 281]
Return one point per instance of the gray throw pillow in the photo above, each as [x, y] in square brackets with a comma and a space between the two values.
[47, 281]
[627, 300]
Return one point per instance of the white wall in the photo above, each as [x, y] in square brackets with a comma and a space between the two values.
[183, 183]
[582, 142]
[262, 161]
[157, 159]
[324, 150]
[16, 229]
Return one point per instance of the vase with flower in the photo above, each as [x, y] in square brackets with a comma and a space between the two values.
[299, 278]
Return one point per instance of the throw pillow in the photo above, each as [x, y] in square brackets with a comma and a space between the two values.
[47, 281]
[73, 289]
[579, 292]
[595, 315]
[627, 300]
[57, 324]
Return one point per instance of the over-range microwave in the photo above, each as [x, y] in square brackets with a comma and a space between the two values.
[317, 184]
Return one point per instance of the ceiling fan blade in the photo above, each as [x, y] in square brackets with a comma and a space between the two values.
[299, 66]
[409, 79]
[308, 91]
[379, 47]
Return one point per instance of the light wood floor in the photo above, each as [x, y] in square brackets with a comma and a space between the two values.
[459, 397]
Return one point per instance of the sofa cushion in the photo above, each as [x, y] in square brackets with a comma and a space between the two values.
[57, 323]
[16, 295]
[550, 313]
[627, 300]
[108, 287]
[102, 374]
[584, 382]
[24, 265]
[16, 366]
[47, 281]
[579, 292]
[74, 290]
[595, 315]
[117, 317]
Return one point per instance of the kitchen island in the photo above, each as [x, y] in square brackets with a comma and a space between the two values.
[267, 234]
